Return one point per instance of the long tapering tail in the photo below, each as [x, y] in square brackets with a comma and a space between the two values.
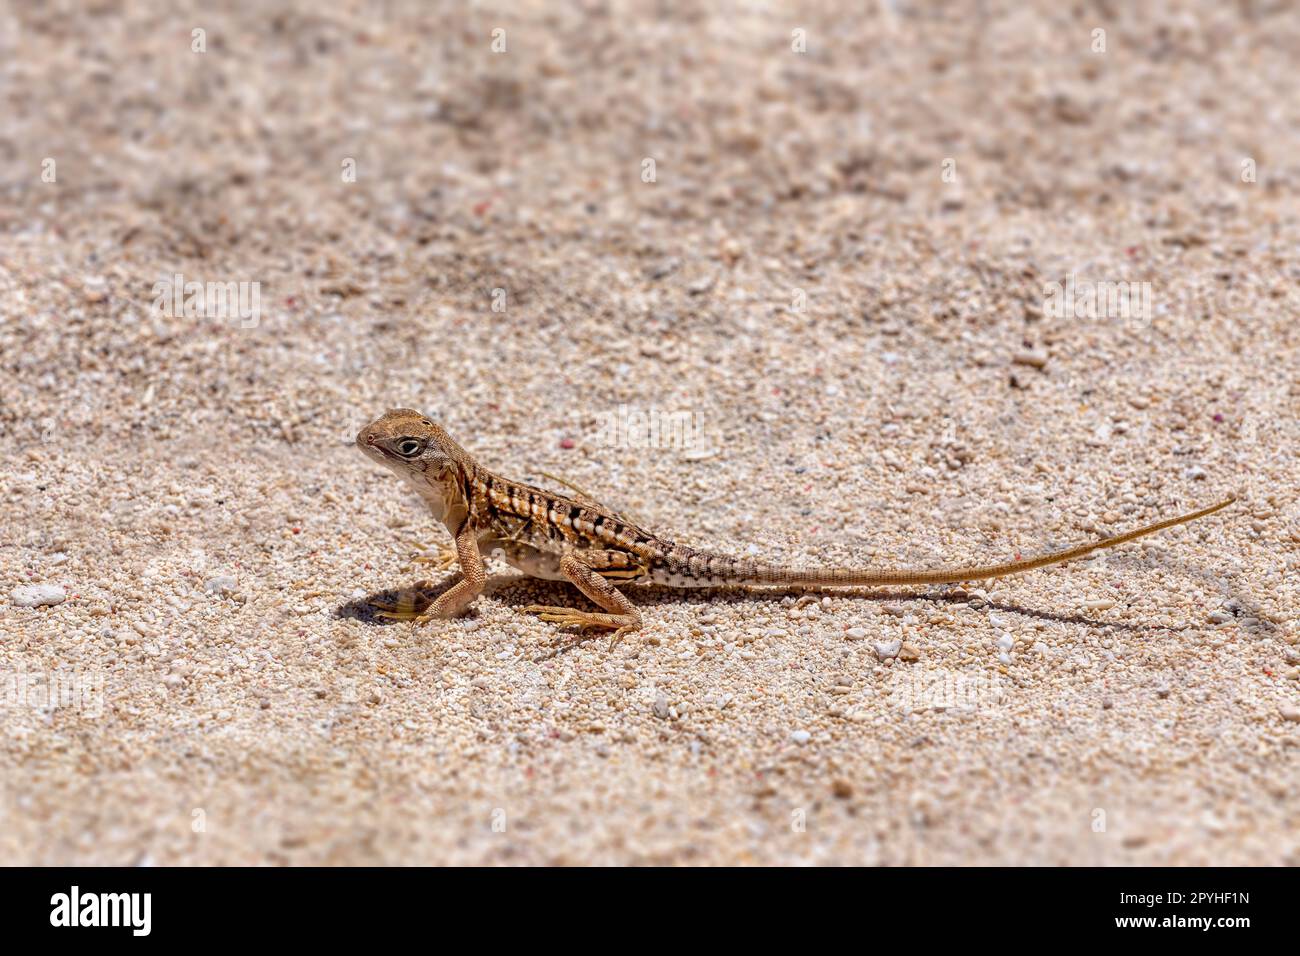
[754, 574]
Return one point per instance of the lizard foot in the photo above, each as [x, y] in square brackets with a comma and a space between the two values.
[568, 617]
[618, 636]
[444, 560]
[407, 606]
[571, 617]
[435, 612]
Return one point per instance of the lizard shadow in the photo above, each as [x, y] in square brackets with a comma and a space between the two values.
[414, 598]
[1236, 601]
[520, 590]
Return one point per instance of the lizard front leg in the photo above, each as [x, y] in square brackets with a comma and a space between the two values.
[580, 568]
[452, 601]
[473, 576]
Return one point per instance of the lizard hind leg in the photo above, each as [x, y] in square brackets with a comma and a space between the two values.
[621, 615]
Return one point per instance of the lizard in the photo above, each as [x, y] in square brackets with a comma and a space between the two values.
[576, 539]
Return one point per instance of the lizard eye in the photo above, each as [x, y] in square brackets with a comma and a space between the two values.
[409, 447]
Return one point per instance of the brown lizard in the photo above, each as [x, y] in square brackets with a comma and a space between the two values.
[558, 538]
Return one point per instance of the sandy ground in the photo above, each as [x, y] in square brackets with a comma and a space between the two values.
[833, 299]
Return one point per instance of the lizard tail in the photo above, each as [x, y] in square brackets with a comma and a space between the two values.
[759, 575]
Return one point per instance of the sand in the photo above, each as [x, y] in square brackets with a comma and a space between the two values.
[834, 302]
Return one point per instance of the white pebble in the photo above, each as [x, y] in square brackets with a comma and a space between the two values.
[661, 707]
[856, 633]
[221, 584]
[801, 737]
[1006, 642]
[37, 595]
[1035, 358]
[888, 649]
[699, 454]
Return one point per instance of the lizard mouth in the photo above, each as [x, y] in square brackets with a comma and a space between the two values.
[366, 442]
[382, 454]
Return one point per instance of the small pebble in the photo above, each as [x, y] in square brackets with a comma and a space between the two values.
[661, 707]
[1290, 713]
[801, 737]
[700, 454]
[1035, 358]
[888, 649]
[220, 584]
[37, 595]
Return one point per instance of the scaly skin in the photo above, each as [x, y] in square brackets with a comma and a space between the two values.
[548, 535]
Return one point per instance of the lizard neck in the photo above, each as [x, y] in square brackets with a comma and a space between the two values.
[443, 493]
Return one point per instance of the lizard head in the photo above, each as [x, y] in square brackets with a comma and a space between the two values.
[411, 445]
